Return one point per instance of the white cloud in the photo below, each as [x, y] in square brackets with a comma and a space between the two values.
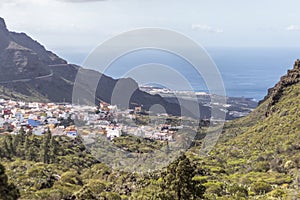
[206, 28]
[6, 2]
[80, 1]
[16, 3]
[293, 28]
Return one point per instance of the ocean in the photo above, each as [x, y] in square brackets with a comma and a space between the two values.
[249, 72]
[246, 72]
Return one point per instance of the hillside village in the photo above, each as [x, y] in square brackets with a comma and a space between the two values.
[72, 120]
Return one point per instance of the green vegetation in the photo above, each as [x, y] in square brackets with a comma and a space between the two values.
[257, 157]
[179, 181]
[137, 144]
[7, 190]
[48, 167]
[40, 164]
[258, 154]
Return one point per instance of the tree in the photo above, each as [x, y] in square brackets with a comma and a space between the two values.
[184, 175]
[179, 179]
[18, 143]
[45, 148]
[22, 134]
[6, 149]
[92, 190]
[54, 148]
[9, 191]
[15, 142]
[29, 149]
[8, 146]
[27, 146]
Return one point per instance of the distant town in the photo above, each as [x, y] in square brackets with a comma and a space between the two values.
[71, 120]
[103, 119]
[235, 107]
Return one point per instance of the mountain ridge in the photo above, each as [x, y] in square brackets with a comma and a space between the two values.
[31, 70]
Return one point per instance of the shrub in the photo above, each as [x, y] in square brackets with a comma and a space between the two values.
[214, 188]
[277, 193]
[260, 187]
[237, 190]
[262, 166]
[71, 177]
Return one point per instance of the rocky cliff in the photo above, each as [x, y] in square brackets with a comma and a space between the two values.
[274, 94]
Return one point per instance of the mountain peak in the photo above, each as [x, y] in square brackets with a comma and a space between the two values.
[2, 24]
[297, 64]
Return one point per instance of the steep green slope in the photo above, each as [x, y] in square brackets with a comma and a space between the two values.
[258, 156]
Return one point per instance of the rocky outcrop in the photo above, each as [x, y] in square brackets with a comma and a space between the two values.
[4, 35]
[274, 94]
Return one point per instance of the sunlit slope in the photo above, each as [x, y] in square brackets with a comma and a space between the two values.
[260, 152]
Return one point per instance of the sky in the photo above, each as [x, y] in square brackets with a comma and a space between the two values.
[268, 29]
[78, 26]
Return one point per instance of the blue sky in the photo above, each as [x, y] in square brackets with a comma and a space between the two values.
[78, 26]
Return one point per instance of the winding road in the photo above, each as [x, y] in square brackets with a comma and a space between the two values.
[36, 78]
[27, 79]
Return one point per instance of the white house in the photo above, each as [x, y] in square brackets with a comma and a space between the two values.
[38, 130]
[2, 121]
[52, 121]
[113, 132]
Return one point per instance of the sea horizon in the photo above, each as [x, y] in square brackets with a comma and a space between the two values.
[246, 71]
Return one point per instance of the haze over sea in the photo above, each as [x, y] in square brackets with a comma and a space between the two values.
[246, 71]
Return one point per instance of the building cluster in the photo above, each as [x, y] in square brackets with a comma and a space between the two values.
[36, 118]
[164, 132]
[69, 120]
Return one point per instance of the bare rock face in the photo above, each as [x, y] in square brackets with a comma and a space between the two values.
[4, 35]
[2, 24]
[23, 58]
[45, 56]
[21, 64]
[274, 94]
[297, 64]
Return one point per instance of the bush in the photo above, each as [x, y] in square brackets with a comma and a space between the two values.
[111, 196]
[260, 187]
[277, 193]
[262, 166]
[50, 194]
[71, 177]
[237, 190]
[214, 188]
[96, 186]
